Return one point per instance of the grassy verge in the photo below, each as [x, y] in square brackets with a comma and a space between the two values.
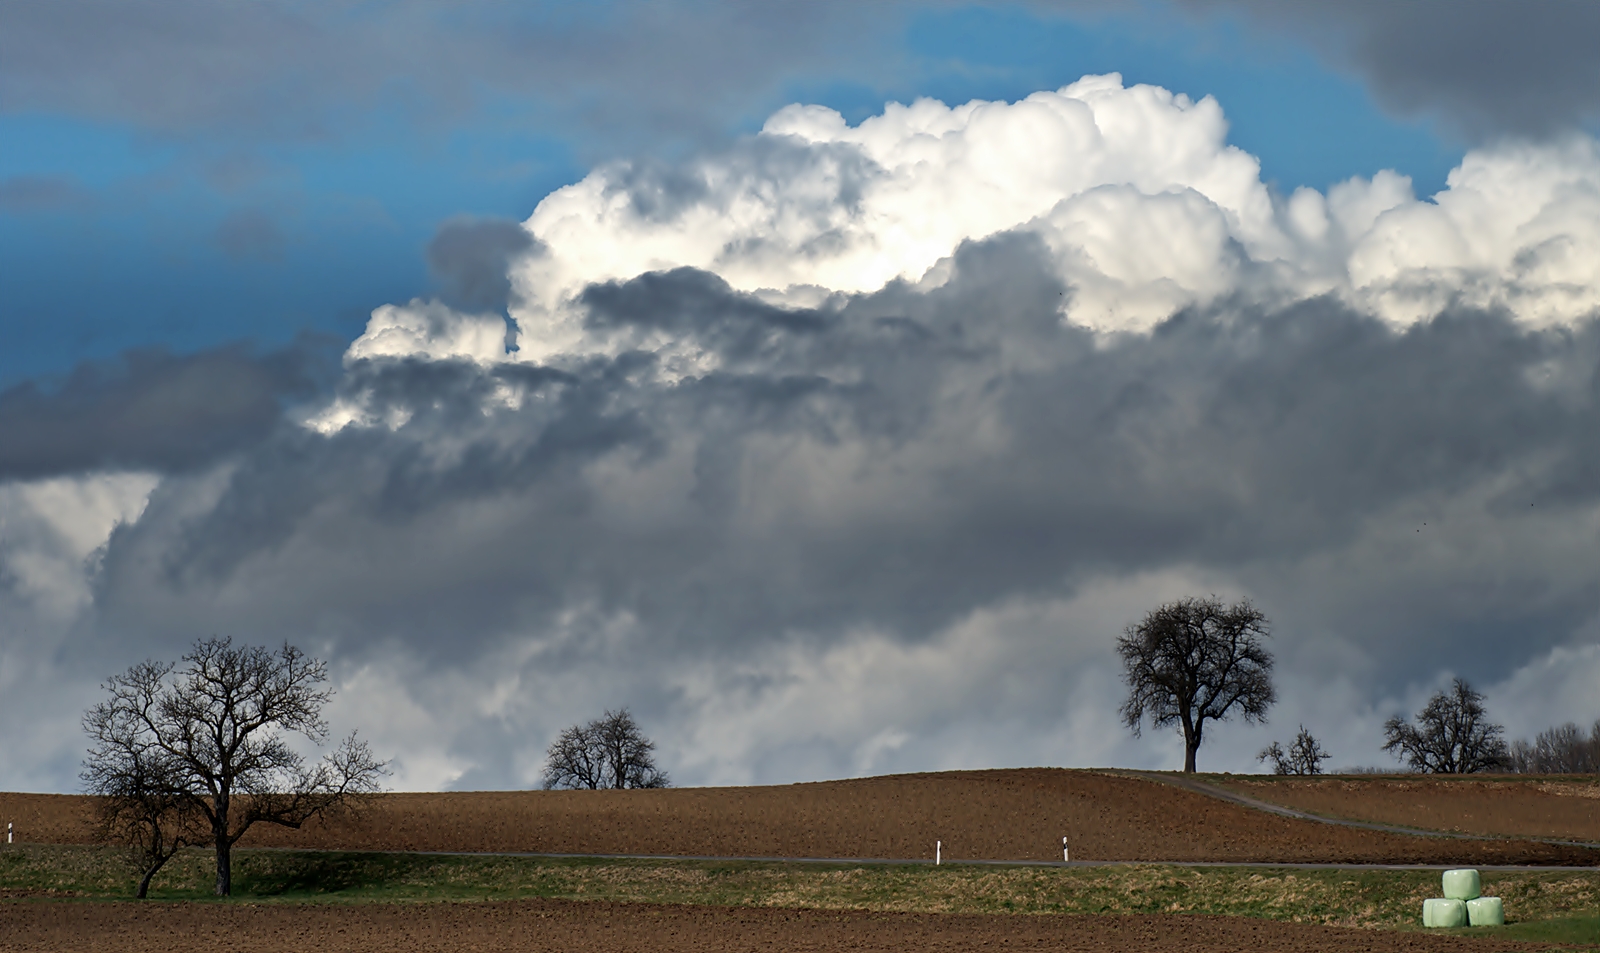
[1558, 906]
[1575, 931]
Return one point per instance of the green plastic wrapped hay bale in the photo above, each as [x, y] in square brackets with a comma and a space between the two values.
[1486, 912]
[1462, 885]
[1444, 912]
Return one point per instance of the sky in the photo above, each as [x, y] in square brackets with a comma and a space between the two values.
[829, 383]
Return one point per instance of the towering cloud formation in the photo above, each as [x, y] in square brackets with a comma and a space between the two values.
[1144, 207]
[852, 448]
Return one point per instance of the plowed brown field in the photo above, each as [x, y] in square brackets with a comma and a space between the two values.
[546, 925]
[988, 815]
[1565, 808]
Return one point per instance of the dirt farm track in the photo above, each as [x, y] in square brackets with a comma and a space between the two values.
[987, 815]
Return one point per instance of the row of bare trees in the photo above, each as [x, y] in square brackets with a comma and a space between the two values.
[1563, 749]
[1453, 735]
[1195, 661]
[197, 752]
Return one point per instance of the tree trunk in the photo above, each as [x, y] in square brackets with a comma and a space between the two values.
[153, 862]
[1191, 744]
[149, 875]
[224, 867]
[219, 834]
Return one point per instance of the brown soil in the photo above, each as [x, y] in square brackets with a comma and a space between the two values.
[1567, 809]
[540, 925]
[989, 815]
[48, 818]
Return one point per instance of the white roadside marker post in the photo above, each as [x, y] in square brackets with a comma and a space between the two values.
[8, 832]
[938, 848]
[1065, 857]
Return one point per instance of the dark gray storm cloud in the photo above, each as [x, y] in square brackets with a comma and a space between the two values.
[798, 539]
[39, 193]
[626, 70]
[897, 460]
[250, 233]
[634, 75]
[148, 410]
[1485, 68]
[471, 259]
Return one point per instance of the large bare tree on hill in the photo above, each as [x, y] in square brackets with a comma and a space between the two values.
[199, 750]
[1193, 661]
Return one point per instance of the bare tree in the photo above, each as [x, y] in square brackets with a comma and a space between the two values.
[141, 800]
[1564, 749]
[1193, 661]
[573, 761]
[1305, 755]
[609, 752]
[203, 745]
[1452, 735]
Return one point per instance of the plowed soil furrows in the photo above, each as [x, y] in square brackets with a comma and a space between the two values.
[541, 925]
[1568, 809]
[48, 818]
[980, 815]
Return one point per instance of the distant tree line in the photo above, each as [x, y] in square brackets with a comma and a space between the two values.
[1197, 660]
[1452, 734]
[1564, 749]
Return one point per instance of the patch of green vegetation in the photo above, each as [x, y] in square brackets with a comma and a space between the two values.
[1546, 906]
[1582, 932]
[40, 870]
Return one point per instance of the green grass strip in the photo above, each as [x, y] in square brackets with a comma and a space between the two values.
[1550, 906]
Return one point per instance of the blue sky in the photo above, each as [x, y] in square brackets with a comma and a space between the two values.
[189, 234]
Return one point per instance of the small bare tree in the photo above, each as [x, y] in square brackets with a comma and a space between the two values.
[202, 746]
[1305, 755]
[1452, 735]
[142, 802]
[1193, 661]
[609, 752]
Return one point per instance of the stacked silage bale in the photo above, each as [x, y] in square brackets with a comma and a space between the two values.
[1463, 903]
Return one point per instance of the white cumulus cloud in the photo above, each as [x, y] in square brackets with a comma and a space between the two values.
[1135, 190]
[52, 533]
